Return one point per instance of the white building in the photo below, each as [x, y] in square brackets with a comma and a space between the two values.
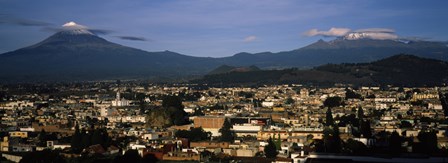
[106, 111]
[120, 101]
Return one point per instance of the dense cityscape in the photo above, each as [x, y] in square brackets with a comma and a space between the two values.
[142, 122]
[231, 81]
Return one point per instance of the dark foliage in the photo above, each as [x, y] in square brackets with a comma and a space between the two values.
[270, 150]
[428, 142]
[227, 135]
[194, 134]
[395, 141]
[43, 156]
[355, 147]
[333, 101]
[76, 142]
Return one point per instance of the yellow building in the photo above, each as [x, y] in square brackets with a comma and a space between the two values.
[278, 109]
[4, 145]
[20, 134]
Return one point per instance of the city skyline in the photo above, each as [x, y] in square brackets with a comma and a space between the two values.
[221, 28]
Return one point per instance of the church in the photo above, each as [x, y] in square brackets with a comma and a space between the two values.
[120, 101]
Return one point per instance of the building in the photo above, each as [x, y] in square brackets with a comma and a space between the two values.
[210, 124]
[4, 145]
[120, 101]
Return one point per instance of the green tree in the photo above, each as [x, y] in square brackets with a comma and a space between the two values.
[172, 101]
[129, 156]
[329, 118]
[360, 113]
[395, 143]
[42, 138]
[42, 156]
[289, 100]
[333, 101]
[366, 129]
[355, 147]
[227, 135]
[86, 139]
[270, 150]
[175, 108]
[350, 94]
[332, 141]
[336, 147]
[194, 134]
[428, 141]
[278, 142]
[97, 137]
[76, 142]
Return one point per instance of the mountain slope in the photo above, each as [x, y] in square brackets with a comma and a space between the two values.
[340, 51]
[71, 55]
[227, 69]
[403, 70]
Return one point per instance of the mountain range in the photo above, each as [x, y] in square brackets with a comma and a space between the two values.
[398, 70]
[80, 55]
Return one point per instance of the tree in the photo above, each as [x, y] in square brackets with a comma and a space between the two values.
[366, 129]
[176, 109]
[352, 94]
[336, 147]
[86, 139]
[278, 142]
[333, 101]
[428, 141]
[332, 140]
[227, 135]
[395, 143]
[355, 147]
[360, 113]
[97, 137]
[270, 150]
[76, 142]
[172, 101]
[194, 134]
[129, 156]
[329, 118]
[42, 156]
[289, 100]
[42, 138]
[406, 124]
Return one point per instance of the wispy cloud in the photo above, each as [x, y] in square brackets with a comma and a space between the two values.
[333, 32]
[372, 33]
[376, 30]
[378, 33]
[6, 19]
[132, 38]
[250, 38]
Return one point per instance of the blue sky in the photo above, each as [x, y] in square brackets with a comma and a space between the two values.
[217, 28]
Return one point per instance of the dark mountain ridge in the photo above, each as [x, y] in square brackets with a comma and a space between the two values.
[399, 70]
[227, 69]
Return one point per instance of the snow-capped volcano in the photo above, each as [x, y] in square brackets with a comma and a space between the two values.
[371, 35]
[75, 29]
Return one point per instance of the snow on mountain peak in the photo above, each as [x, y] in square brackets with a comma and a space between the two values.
[70, 24]
[371, 35]
[73, 28]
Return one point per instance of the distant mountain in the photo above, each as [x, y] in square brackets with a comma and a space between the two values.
[340, 50]
[81, 55]
[75, 54]
[400, 70]
[227, 69]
